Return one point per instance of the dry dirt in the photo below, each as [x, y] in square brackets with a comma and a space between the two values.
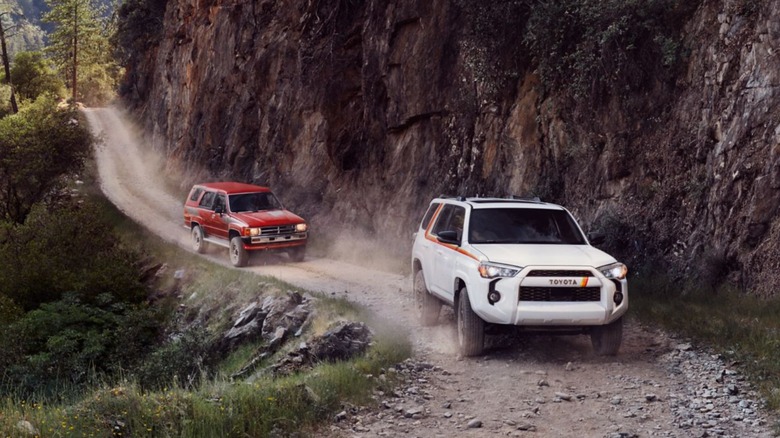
[654, 387]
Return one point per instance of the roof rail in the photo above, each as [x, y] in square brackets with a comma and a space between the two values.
[526, 198]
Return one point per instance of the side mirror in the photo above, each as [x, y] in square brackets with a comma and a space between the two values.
[450, 237]
[219, 210]
[596, 238]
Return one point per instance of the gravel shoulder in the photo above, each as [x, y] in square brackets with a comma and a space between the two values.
[524, 385]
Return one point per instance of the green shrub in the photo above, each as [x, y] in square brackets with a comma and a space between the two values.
[74, 343]
[181, 362]
[66, 248]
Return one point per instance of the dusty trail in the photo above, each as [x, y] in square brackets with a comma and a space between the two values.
[531, 386]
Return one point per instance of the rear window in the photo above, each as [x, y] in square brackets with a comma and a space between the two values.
[524, 225]
[195, 193]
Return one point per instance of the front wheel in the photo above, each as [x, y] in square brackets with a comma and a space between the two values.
[471, 328]
[298, 253]
[606, 339]
[238, 255]
[427, 305]
[198, 244]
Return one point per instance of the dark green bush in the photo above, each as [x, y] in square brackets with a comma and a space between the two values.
[66, 248]
[181, 362]
[70, 343]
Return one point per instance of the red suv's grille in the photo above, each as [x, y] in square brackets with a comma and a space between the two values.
[560, 294]
[275, 231]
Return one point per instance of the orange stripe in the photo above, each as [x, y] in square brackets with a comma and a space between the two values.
[584, 282]
[446, 245]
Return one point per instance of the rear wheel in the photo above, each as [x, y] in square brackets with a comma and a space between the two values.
[471, 328]
[427, 305]
[606, 339]
[238, 255]
[198, 244]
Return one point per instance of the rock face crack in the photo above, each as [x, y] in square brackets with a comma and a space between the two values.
[417, 118]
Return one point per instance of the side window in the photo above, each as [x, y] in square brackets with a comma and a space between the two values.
[428, 215]
[456, 221]
[220, 202]
[195, 194]
[443, 219]
[207, 201]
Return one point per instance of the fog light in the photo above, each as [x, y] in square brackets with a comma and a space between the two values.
[618, 298]
[493, 297]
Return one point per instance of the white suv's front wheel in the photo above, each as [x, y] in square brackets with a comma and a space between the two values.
[606, 339]
[471, 328]
[427, 305]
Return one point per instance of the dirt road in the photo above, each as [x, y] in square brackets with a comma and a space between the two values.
[524, 386]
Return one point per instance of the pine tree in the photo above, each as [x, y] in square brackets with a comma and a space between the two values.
[78, 43]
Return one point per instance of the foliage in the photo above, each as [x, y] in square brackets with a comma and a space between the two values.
[139, 25]
[79, 47]
[66, 249]
[265, 407]
[594, 48]
[181, 362]
[38, 147]
[33, 76]
[76, 342]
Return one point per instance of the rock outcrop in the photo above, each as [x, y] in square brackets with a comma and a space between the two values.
[358, 112]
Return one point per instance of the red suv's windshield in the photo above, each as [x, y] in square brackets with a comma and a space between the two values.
[253, 202]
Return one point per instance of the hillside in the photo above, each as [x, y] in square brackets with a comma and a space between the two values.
[653, 121]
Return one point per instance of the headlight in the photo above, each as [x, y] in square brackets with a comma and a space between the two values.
[254, 231]
[493, 270]
[301, 228]
[617, 271]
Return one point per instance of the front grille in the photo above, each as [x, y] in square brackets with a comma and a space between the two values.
[560, 294]
[275, 231]
[559, 273]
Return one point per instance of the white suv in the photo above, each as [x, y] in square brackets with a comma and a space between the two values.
[516, 262]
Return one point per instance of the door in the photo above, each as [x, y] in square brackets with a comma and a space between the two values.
[451, 218]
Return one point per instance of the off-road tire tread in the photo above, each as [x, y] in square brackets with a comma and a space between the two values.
[426, 305]
[471, 328]
[606, 339]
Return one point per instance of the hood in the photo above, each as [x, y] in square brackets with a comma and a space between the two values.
[268, 218]
[545, 255]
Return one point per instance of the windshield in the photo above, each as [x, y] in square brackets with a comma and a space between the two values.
[253, 202]
[523, 225]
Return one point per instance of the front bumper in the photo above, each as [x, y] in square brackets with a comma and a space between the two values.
[569, 296]
[274, 242]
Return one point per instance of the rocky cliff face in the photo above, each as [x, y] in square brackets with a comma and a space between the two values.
[358, 112]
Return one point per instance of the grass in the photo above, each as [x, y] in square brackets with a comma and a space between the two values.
[218, 408]
[744, 328]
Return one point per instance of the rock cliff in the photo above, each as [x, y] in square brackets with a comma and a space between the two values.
[358, 112]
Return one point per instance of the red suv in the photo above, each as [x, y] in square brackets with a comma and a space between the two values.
[242, 218]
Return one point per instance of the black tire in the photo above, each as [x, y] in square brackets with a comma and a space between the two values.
[198, 244]
[238, 255]
[297, 254]
[606, 339]
[426, 305]
[471, 328]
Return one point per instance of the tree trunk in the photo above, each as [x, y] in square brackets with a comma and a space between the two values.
[7, 67]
